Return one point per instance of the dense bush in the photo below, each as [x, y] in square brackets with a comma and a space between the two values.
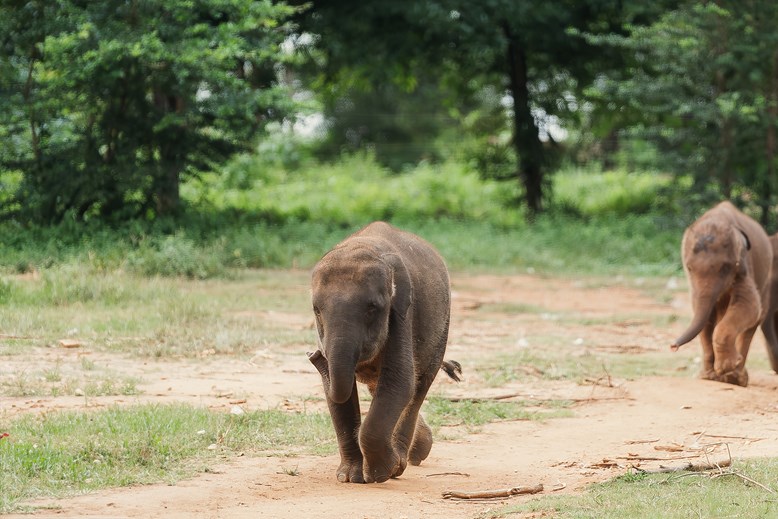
[273, 217]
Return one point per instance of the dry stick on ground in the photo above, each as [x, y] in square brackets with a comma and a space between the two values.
[448, 474]
[744, 478]
[689, 467]
[480, 399]
[492, 494]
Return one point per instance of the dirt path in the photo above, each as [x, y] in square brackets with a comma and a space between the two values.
[616, 423]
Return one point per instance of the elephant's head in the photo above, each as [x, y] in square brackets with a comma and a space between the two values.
[356, 293]
[714, 256]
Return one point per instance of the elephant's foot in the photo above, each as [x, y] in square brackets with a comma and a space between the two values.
[708, 374]
[737, 377]
[350, 472]
[422, 443]
[379, 467]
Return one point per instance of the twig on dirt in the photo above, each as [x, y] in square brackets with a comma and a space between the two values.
[732, 437]
[636, 442]
[481, 399]
[448, 474]
[20, 337]
[743, 477]
[492, 494]
[654, 458]
[478, 399]
[607, 376]
[560, 486]
[687, 467]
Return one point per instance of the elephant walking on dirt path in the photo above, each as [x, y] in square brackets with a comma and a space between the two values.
[381, 299]
[770, 323]
[728, 259]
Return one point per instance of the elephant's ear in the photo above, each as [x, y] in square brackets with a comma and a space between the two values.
[402, 293]
[746, 240]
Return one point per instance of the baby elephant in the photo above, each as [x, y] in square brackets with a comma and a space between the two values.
[727, 257]
[770, 324]
[381, 299]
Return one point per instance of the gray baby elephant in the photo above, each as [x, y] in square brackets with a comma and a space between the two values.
[381, 299]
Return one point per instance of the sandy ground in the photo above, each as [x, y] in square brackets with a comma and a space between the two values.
[617, 423]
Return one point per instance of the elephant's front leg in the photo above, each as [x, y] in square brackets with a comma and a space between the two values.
[346, 420]
[739, 375]
[706, 339]
[733, 334]
[376, 436]
[413, 436]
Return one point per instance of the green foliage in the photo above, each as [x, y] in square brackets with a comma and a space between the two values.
[107, 106]
[609, 193]
[357, 190]
[703, 78]
[526, 50]
[71, 452]
[467, 218]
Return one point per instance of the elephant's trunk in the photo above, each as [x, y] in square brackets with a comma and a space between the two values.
[703, 308]
[337, 375]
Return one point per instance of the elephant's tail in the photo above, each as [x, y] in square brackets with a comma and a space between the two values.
[452, 368]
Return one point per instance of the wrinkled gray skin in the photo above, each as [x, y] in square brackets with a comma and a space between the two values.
[382, 302]
[770, 323]
[727, 257]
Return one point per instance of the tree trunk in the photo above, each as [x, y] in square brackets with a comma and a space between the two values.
[526, 138]
[770, 144]
[166, 186]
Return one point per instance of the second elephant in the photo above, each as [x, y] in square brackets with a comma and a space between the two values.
[727, 257]
[770, 323]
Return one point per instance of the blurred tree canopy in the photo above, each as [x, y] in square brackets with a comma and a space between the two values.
[530, 50]
[105, 106]
[704, 78]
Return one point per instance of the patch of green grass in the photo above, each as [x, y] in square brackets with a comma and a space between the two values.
[59, 454]
[677, 496]
[52, 382]
[161, 317]
[569, 363]
[511, 308]
[471, 414]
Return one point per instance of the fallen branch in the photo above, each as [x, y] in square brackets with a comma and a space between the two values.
[654, 458]
[492, 494]
[732, 437]
[688, 467]
[481, 399]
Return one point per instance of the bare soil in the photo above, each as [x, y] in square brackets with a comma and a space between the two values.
[662, 420]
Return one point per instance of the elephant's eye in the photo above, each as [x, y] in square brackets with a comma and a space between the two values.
[372, 308]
